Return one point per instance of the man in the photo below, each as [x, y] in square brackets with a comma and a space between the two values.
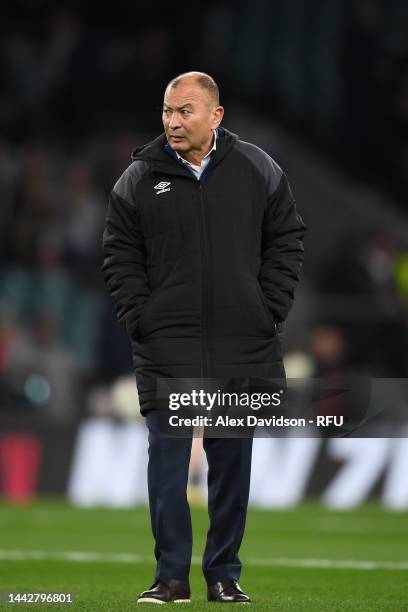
[203, 248]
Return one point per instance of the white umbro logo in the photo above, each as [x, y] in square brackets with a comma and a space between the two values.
[162, 187]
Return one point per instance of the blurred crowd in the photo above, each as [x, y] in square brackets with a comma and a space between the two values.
[337, 74]
[55, 316]
[335, 71]
[80, 90]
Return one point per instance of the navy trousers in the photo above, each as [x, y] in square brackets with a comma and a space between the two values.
[229, 471]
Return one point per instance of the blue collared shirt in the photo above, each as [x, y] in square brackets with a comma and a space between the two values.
[198, 170]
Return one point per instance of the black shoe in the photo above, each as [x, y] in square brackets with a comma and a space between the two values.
[227, 592]
[166, 590]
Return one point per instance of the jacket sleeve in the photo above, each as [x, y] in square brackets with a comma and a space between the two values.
[282, 250]
[124, 258]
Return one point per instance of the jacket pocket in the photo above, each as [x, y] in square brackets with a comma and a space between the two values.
[267, 313]
[143, 318]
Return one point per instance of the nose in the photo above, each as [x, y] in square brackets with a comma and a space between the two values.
[174, 121]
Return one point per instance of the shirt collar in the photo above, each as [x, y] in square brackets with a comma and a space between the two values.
[213, 148]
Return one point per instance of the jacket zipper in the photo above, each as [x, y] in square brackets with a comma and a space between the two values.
[206, 369]
[205, 289]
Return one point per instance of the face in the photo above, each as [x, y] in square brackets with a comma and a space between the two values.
[189, 118]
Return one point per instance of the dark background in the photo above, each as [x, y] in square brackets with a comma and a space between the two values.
[322, 85]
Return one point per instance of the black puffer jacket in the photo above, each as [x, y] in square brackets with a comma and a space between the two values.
[202, 270]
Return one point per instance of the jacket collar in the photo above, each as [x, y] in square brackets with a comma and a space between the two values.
[155, 153]
[180, 158]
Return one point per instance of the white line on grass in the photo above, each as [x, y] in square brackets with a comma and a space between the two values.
[74, 555]
[330, 563]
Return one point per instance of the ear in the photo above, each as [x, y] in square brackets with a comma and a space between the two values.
[218, 114]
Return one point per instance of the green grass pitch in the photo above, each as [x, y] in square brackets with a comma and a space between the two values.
[303, 560]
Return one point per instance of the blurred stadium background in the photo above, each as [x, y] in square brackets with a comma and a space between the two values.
[323, 87]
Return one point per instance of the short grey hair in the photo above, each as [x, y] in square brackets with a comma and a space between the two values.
[205, 81]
